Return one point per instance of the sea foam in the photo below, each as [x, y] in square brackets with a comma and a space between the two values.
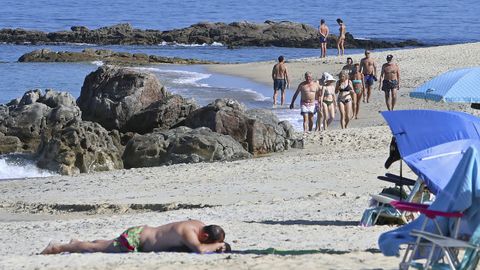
[20, 166]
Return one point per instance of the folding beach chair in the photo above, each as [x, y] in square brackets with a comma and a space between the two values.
[450, 248]
[430, 215]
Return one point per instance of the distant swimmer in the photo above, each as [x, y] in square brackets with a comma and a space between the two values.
[323, 31]
[309, 90]
[369, 70]
[390, 82]
[186, 236]
[280, 79]
[341, 37]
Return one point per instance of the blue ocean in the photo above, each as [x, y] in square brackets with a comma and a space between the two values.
[431, 22]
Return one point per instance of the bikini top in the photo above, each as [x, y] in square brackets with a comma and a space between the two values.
[346, 89]
[327, 93]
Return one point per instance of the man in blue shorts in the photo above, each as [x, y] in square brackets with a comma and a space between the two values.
[369, 69]
[280, 79]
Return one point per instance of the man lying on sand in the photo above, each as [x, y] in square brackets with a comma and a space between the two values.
[191, 235]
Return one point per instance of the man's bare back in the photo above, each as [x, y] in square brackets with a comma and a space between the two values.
[279, 71]
[169, 236]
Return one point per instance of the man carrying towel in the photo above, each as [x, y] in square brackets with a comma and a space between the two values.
[368, 68]
[390, 82]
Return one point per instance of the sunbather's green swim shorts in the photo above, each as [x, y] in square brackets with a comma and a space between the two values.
[129, 240]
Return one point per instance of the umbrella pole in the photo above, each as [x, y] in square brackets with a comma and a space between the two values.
[401, 177]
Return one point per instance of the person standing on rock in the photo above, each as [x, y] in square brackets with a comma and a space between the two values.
[323, 31]
[308, 107]
[390, 82]
[341, 37]
[368, 68]
[280, 79]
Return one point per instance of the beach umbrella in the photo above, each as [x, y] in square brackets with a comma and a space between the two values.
[432, 142]
[459, 86]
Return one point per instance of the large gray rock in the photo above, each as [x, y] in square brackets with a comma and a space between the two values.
[107, 56]
[82, 147]
[33, 116]
[181, 145]
[164, 114]
[110, 96]
[269, 33]
[259, 131]
[10, 144]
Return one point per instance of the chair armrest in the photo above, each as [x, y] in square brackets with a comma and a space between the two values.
[406, 181]
[442, 241]
[423, 208]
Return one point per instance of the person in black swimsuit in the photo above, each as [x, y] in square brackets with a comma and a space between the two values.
[344, 89]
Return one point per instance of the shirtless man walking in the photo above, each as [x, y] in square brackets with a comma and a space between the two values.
[390, 82]
[310, 91]
[190, 235]
[369, 70]
[280, 79]
[323, 31]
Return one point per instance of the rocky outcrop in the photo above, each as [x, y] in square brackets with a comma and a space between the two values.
[259, 131]
[33, 116]
[162, 115]
[110, 96]
[107, 56]
[181, 145]
[269, 33]
[80, 148]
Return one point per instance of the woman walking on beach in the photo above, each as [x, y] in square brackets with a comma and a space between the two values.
[358, 86]
[341, 37]
[329, 101]
[344, 89]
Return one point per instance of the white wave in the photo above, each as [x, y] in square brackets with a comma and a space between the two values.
[18, 167]
[182, 76]
[174, 44]
[98, 63]
[258, 96]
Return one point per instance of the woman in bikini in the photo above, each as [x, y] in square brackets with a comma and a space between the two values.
[341, 37]
[328, 100]
[358, 86]
[344, 90]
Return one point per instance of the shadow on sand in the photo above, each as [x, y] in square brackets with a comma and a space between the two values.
[308, 222]
[272, 251]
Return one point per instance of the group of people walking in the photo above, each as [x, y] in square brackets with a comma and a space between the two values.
[324, 96]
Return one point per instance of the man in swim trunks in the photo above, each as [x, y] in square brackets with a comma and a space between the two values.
[368, 68]
[280, 79]
[390, 82]
[191, 235]
[323, 31]
[309, 90]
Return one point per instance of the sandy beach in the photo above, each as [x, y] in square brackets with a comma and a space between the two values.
[305, 202]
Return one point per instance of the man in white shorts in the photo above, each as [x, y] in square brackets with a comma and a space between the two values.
[308, 105]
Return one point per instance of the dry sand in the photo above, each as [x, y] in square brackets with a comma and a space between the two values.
[308, 200]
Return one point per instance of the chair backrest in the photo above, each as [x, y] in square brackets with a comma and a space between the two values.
[471, 257]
